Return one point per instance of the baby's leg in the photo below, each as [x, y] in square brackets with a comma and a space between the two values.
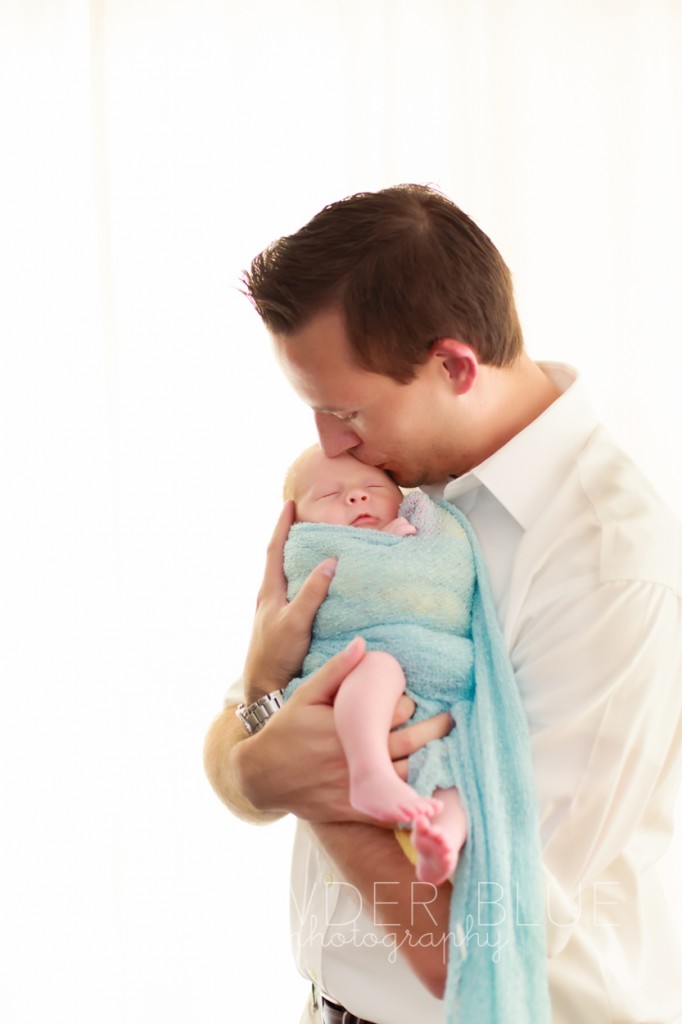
[439, 841]
[363, 711]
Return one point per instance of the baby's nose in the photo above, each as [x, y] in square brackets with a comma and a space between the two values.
[357, 495]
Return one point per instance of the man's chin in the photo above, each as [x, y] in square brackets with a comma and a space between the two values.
[405, 479]
[399, 476]
[408, 481]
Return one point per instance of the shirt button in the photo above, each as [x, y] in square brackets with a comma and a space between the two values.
[328, 879]
[313, 974]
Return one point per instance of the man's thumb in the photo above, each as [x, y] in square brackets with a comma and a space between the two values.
[322, 686]
[313, 592]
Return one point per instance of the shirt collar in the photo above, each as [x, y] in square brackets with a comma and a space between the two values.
[526, 472]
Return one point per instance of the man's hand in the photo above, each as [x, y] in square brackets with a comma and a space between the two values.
[296, 763]
[281, 629]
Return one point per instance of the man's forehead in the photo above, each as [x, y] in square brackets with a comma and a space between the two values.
[321, 344]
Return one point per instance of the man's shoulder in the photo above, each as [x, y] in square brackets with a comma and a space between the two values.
[604, 523]
[639, 536]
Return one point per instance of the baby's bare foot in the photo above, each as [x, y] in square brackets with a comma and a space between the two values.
[437, 855]
[391, 800]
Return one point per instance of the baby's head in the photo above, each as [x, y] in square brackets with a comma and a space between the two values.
[341, 491]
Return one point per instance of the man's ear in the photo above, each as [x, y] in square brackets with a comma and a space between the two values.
[459, 362]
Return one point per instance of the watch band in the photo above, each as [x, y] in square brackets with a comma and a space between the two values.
[254, 716]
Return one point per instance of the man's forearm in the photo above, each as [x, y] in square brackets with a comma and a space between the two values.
[222, 741]
[417, 913]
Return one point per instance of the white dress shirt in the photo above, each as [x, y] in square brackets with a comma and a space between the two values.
[586, 568]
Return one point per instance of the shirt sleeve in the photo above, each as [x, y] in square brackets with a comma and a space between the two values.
[600, 672]
[235, 694]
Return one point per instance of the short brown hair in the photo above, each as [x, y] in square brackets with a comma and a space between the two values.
[405, 266]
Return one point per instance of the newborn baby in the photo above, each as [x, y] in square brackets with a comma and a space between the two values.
[343, 492]
[411, 579]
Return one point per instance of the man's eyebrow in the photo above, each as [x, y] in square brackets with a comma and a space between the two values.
[331, 410]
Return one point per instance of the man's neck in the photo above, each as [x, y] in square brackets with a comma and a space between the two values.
[510, 399]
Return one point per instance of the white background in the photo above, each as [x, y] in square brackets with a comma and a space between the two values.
[149, 149]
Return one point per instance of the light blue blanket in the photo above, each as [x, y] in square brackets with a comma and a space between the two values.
[427, 600]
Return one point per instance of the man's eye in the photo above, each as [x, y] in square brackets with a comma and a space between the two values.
[346, 417]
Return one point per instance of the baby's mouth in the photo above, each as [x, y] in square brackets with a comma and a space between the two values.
[363, 519]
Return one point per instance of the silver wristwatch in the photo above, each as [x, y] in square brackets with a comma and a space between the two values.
[254, 716]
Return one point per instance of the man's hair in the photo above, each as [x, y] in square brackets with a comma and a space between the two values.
[405, 267]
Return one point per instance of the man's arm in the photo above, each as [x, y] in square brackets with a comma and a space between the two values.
[415, 913]
[614, 655]
[225, 734]
[279, 642]
[296, 763]
[366, 854]
[267, 781]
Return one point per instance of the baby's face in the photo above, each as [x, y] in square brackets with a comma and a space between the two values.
[344, 492]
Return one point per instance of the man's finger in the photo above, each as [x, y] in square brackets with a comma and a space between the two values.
[274, 580]
[322, 686]
[404, 710]
[405, 741]
[313, 592]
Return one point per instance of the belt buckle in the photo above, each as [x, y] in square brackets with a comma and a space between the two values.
[339, 1014]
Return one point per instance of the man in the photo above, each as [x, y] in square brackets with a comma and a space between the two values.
[393, 318]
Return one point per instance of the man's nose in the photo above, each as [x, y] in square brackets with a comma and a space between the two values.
[335, 436]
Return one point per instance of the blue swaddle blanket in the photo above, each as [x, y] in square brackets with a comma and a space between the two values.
[426, 599]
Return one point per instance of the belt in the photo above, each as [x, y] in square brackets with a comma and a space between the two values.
[332, 1013]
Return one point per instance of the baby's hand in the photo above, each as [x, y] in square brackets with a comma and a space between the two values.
[400, 527]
